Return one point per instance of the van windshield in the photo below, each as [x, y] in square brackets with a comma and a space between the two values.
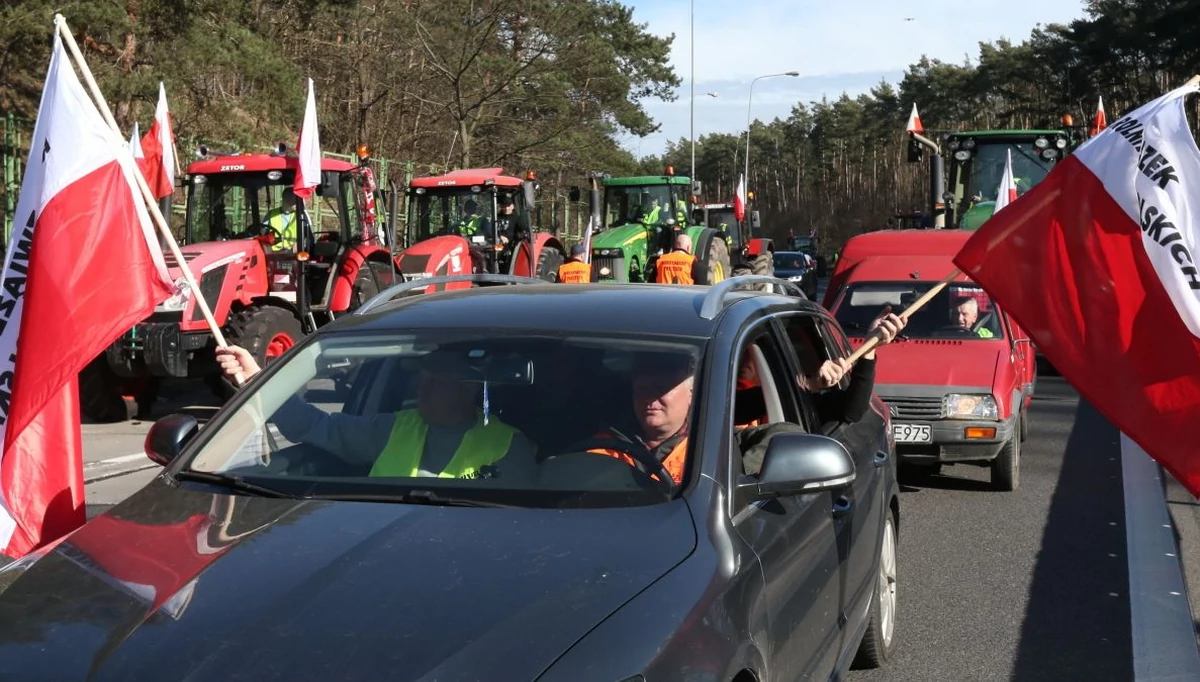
[959, 311]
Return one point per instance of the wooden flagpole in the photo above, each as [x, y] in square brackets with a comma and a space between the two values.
[148, 196]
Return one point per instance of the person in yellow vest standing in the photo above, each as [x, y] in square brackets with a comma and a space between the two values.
[575, 271]
[444, 436]
[679, 266]
[283, 220]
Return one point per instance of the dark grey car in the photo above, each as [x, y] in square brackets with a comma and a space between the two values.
[794, 266]
[254, 556]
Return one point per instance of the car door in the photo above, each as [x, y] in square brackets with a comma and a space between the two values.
[1026, 356]
[858, 510]
[793, 538]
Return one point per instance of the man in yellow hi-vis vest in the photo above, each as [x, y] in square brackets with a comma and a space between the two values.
[444, 436]
[283, 220]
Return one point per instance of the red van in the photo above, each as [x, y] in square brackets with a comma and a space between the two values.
[960, 379]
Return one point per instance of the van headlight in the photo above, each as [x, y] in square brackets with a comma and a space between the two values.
[970, 406]
[179, 299]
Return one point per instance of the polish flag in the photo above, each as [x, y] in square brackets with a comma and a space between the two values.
[159, 146]
[739, 201]
[1098, 262]
[914, 122]
[1007, 193]
[139, 156]
[83, 265]
[1100, 121]
[309, 174]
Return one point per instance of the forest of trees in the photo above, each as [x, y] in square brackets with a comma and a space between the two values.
[550, 85]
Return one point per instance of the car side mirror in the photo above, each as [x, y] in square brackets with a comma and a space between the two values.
[168, 436]
[574, 194]
[800, 463]
[528, 191]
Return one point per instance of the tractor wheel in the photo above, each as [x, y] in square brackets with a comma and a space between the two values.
[717, 262]
[548, 263]
[762, 264]
[266, 331]
[100, 398]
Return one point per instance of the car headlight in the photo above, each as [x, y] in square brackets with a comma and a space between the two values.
[796, 278]
[178, 300]
[969, 406]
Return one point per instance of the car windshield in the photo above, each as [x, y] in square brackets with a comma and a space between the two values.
[959, 311]
[987, 168]
[789, 260]
[647, 204]
[537, 420]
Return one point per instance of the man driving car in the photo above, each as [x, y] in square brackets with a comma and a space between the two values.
[443, 436]
[964, 312]
[662, 400]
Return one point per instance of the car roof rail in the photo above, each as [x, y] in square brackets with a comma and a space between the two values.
[483, 278]
[714, 300]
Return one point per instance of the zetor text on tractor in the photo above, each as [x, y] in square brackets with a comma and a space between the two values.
[268, 274]
[476, 221]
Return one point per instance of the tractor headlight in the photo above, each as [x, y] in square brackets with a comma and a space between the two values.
[962, 155]
[178, 300]
[1049, 153]
[970, 406]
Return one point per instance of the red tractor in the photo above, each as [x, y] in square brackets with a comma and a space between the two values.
[265, 288]
[474, 221]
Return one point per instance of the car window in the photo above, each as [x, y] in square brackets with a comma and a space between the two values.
[763, 397]
[537, 419]
[960, 311]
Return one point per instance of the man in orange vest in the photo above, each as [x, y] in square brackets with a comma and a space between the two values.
[679, 266]
[575, 271]
[662, 401]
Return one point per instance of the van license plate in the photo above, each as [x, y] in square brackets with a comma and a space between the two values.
[911, 433]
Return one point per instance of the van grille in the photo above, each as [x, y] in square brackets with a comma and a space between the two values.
[914, 408]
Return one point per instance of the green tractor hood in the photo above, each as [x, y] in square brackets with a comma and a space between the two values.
[619, 253]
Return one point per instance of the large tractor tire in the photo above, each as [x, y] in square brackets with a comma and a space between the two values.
[266, 331]
[100, 396]
[717, 261]
[549, 260]
[762, 264]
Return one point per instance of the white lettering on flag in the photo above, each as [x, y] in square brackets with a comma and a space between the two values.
[1148, 162]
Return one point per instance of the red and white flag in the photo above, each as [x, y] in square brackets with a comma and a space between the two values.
[83, 265]
[1007, 193]
[309, 174]
[914, 121]
[739, 200]
[159, 147]
[1100, 120]
[1098, 262]
[135, 145]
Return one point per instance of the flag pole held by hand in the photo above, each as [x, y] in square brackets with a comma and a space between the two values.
[160, 222]
[916, 305]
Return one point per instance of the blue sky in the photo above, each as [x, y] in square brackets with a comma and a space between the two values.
[835, 46]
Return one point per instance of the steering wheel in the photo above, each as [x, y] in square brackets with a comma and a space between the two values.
[642, 456]
[955, 330]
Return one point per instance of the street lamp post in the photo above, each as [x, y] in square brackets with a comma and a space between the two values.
[692, 170]
[749, 100]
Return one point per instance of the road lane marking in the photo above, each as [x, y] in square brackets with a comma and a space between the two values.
[123, 459]
[1164, 633]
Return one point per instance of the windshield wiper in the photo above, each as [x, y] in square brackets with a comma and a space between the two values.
[236, 483]
[420, 496]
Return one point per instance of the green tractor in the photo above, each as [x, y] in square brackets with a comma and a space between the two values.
[977, 159]
[638, 219]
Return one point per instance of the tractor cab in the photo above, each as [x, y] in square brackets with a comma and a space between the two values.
[234, 198]
[476, 221]
[977, 161]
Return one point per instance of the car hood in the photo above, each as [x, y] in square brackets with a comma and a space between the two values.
[345, 590]
[937, 362]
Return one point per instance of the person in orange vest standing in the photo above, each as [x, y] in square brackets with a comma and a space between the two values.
[679, 266]
[575, 271]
